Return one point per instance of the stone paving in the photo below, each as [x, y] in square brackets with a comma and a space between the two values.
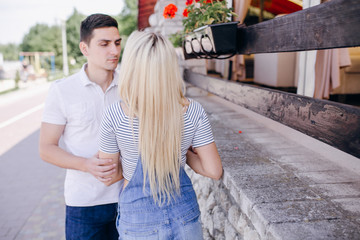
[287, 188]
[31, 200]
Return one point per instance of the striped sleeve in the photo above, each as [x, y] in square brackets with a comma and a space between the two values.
[203, 133]
[108, 143]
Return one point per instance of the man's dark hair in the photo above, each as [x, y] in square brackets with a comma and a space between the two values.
[92, 22]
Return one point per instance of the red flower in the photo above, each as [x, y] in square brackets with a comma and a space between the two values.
[185, 12]
[189, 2]
[197, 0]
[169, 11]
[208, 1]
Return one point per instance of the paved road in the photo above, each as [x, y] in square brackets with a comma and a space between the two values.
[31, 200]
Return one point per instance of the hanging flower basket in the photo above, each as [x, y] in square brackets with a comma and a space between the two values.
[212, 41]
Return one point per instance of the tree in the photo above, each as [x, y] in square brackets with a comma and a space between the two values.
[127, 20]
[10, 51]
[73, 38]
[42, 38]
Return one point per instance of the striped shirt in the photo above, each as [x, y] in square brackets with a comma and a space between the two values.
[117, 135]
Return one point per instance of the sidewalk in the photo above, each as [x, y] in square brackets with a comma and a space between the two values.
[31, 199]
[9, 84]
[31, 202]
[287, 184]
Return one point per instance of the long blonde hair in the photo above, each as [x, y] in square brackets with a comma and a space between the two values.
[151, 86]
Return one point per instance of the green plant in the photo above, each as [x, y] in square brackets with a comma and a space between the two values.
[176, 39]
[199, 13]
[17, 79]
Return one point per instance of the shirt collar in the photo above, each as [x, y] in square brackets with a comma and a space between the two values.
[86, 81]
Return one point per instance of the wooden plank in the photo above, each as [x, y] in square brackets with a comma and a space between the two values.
[334, 24]
[333, 123]
[145, 9]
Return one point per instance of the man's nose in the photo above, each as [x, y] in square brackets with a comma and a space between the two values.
[115, 49]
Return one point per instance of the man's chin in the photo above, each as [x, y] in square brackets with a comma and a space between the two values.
[112, 67]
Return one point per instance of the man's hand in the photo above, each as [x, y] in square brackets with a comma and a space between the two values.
[101, 169]
[117, 176]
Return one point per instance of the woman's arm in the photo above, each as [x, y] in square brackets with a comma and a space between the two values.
[205, 160]
[117, 175]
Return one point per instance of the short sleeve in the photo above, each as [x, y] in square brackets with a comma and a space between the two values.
[108, 143]
[203, 133]
[54, 111]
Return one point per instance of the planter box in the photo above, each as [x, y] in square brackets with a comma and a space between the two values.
[211, 41]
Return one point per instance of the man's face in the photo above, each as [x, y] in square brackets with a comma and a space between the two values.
[103, 50]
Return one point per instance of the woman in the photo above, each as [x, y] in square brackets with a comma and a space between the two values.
[152, 129]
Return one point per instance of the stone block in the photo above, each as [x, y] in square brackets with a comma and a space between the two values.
[241, 224]
[223, 199]
[207, 222]
[311, 165]
[211, 202]
[338, 190]
[334, 176]
[233, 215]
[295, 158]
[350, 204]
[320, 230]
[267, 180]
[251, 234]
[252, 168]
[280, 194]
[298, 211]
[219, 219]
[230, 232]
[294, 150]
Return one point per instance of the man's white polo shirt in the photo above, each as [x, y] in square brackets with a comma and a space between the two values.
[78, 103]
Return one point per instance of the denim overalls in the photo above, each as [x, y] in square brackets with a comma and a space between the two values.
[140, 218]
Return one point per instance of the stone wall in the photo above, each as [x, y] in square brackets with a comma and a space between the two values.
[220, 209]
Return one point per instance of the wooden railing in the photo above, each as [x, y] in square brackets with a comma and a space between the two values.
[334, 24]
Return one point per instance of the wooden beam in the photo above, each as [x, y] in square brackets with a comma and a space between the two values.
[333, 123]
[334, 24]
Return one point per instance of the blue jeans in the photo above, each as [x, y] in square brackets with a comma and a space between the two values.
[139, 217]
[95, 223]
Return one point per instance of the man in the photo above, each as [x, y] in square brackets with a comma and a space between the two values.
[73, 111]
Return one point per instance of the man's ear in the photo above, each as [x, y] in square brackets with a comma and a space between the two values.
[83, 48]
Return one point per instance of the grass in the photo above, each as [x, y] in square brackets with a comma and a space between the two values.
[9, 90]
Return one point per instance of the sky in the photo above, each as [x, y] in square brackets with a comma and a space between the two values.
[18, 16]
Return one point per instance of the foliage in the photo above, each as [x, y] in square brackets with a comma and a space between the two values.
[176, 39]
[17, 79]
[199, 13]
[10, 51]
[73, 38]
[205, 12]
[127, 20]
[43, 38]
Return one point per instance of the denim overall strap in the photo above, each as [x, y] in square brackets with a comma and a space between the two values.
[141, 218]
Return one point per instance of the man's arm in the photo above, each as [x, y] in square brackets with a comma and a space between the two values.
[117, 176]
[49, 150]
